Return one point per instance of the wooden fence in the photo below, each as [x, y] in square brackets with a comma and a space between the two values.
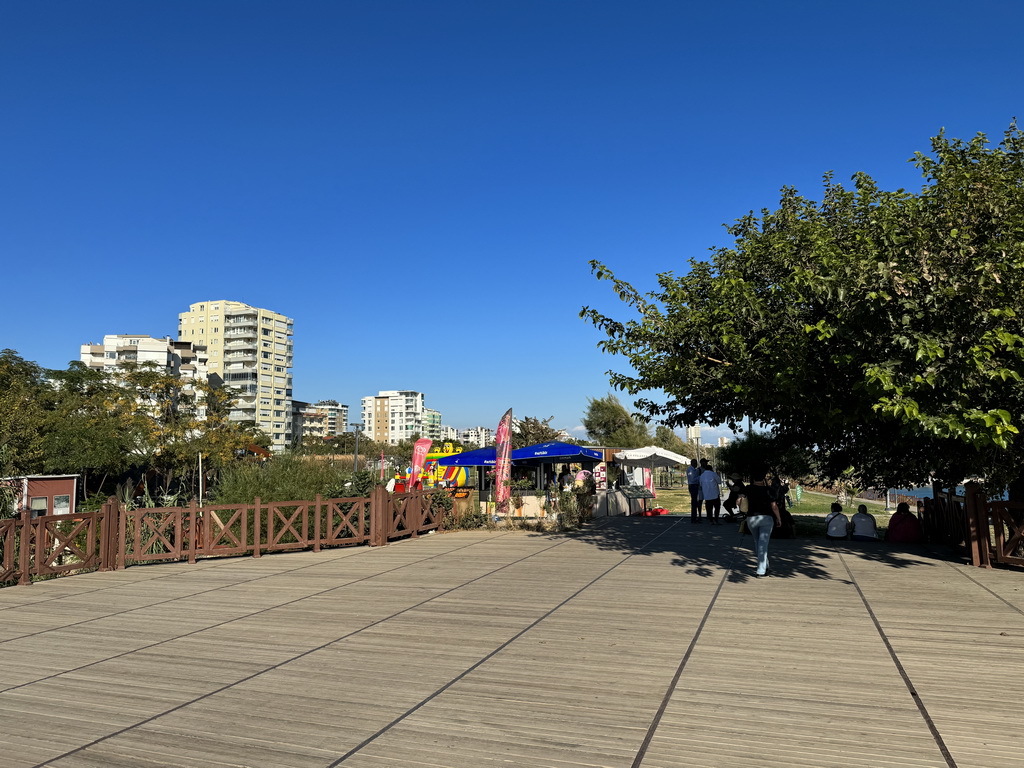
[115, 537]
[989, 532]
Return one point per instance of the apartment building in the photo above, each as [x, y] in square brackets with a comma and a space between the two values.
[478, 436]
[336, 416]
[431, 424]
[307, 422]
[249, 349]
[449, 434]
[391, 416]
[181, 359]
[321, 420]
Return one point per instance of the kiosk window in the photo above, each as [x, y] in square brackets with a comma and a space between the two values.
[62, 504]
[39, 505]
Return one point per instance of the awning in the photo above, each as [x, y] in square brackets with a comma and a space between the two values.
[651, 456]
[548, 453]
[481, 457]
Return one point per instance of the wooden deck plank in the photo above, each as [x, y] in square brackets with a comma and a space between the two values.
[480, 649]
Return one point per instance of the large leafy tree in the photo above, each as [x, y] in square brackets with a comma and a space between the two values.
[23, 391]
[609, 423]
[532, 430]
[885, 329]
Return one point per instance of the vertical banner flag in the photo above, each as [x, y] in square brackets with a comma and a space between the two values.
[419, 455]
[503, 462]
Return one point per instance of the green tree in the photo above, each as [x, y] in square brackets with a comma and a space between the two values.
[609, 423]
[23, 393]
[532, 430]
[665, 437]
[88, 430]
[884, 329]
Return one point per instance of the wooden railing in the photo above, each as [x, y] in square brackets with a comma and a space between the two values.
[989, 532]
[995, 529]
[115, 537]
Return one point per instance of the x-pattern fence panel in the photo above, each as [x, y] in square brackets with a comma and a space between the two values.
[8, 550]
[156, 533]
[348, 521]
[63, 545]
[288, 525]
[1006, 544]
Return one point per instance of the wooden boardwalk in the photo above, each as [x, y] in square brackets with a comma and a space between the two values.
[642, 641]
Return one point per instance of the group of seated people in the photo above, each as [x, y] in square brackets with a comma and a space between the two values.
[903, 525]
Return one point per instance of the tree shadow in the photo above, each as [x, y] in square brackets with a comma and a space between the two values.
[706, 550]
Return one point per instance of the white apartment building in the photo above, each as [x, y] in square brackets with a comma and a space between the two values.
[449, 434]
[478, 436]
[391, 416]
[249, 350]
[432, 424]
[181, 359]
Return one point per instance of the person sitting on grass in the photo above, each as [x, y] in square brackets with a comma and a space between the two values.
[863, 526]
[904, 527]
[837, 525]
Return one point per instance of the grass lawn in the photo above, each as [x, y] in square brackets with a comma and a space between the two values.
[809, 514]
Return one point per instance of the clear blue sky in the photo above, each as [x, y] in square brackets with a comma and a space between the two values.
[420, 184]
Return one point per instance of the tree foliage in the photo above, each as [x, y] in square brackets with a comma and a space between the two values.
[885, 329]
[609, 423]
[532, 430]
[139, 422]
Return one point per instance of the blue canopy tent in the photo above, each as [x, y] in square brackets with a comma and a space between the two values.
[549, 453]
[481, 457]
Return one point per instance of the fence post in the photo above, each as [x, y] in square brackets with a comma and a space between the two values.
[257, 532]
[316, 523]
[108, 554]
[193, 530]
[978, 538]
[379, 517]
[24, 549]
[122, 531]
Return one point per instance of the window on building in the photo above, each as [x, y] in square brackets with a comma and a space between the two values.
[39, 505]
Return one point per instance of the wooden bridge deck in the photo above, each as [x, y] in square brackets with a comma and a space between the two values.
[644, 641]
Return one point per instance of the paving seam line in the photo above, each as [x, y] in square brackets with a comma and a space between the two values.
[208, 564]
[673, 684]
[373, 737]
[219, 624]
[998, 597]
[921, 708]
[240, 582]
[298, 656]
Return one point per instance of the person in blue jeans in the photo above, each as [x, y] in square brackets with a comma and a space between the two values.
[693, 484]
[762, 516]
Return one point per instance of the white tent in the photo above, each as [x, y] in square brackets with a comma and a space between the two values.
[651, 456]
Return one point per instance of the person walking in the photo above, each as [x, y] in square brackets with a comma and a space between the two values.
[762, 516]
[693, 484]
[710, 484]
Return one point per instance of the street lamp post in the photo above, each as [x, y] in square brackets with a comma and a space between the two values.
[355, 454]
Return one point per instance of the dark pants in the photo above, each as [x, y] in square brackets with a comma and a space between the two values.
[694, 502]
[713, 507]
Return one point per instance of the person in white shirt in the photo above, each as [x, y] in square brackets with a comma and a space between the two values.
[709, 488]
[863, 526]
[837, 525]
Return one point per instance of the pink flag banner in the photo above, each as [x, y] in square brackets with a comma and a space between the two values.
[503, 462]
[419, 456]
